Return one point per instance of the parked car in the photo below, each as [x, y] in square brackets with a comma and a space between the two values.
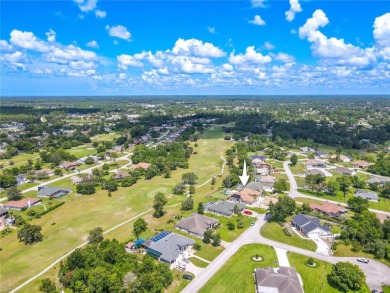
[246, 212]
[362, 259]
[187, 277]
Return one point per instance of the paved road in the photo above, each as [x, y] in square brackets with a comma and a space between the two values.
[375, 272]
[295, 193]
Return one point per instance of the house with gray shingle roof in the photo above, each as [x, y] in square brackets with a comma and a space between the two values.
[53, 191]
[369, 195]
[280, 280]
[309, 225]
[196, 224]
[222, 207]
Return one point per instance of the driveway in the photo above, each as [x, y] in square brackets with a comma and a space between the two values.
[322, 247]
[282, 257]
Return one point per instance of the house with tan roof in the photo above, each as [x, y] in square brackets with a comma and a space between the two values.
[315, 164]
[342, 158]
[277, 280]
[196, 224]
[246, 196]
[328, 209]
[120, 175]
[69, 165]
[345, 171]
[141, 165]
[362, 164]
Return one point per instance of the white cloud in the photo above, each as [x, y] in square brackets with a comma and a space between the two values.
[333, 50]
[81, 73]
[119, 31]
[257, 20]
[268, 46]
[258, 3]
[69, 53]
[227, 67]
[285, 58]
[15, 57]
[197, 48]
[100, 13]
[295, 8]
[211, 29]
[251, 57]
[27, 40]
[93, 44]
[126, 60]
[382, 30]
[86, 5]
[122, 75]
[5, 47]
[79, 65]
[187, 64]
[156, 60]
[51, 35]
[46, 71]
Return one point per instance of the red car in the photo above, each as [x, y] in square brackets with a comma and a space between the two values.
[246, 212]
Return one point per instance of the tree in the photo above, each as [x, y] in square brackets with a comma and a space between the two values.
[7, 180]
[231, 226]
[139, 227]
[158, 204]
[47, 286]
[189, 178]
[110, 185]
[30, 234]
[207, 236]
[306, 208]
[358, 204]
[58, 172]
[200, 208]
[86, 188]
[236, 209]
[332, 187]
[179, 189]
[213, 181]
[192, 189]
[89, 161]
[281, 185]
[311, 156]
[187, 204]
[344, 183]
[14, 194]
[294, 159]
[95, 236]
[346, 276]
[216, 240]
[282, 209]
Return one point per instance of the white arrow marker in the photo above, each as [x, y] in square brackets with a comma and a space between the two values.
[244, 178]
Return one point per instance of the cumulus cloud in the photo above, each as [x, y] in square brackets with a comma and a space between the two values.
[257, 21]
[15, 57]
[78, 65]
[100, 13]
[27, 40]
[251, 57]
[382, 30]
[258, 3]
[268, 46]
[124, 61]
[86, 5]
[4, 46]
[285, 58]
[93, 44]
[332, 49]
[197, 48]
[119, 31]
[295, 8]
[51, 35]
[191, 65]
[63, 55]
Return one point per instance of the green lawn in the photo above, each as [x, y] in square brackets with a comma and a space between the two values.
[236, 275]
[257, 210]
[178, 283]
[105, 137]
[198, 262]
[81, 213]
[298, 168]
[314, 279]
[344, 250]
[19, 159]
[226, 234]
[82, 151]
[386, 289]
[273, 231]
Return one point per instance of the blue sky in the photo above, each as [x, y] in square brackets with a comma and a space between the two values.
[91, 47]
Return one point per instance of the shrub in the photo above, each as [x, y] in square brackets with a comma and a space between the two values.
[287, 232]
[197, 246]
[310, 261]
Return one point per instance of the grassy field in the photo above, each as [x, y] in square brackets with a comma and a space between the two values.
[199, 263]
[344, 250]
[82, 151]
[314, 279]
[386, 289]
[105, 137]
[273, 231]
[19, 159]
[81, 213]
[236, 275]
[298, 168]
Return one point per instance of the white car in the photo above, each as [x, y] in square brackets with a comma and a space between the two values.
[362, 259]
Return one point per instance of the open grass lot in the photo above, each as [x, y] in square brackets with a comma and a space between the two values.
[19, 159]
[105, 137]
[82, 151]
[236, 275]
[274, 231]
[382, 205]
[199, 263]
[386, 289]
[81, 213]
[344, 250]
[298, 168]
[314, 279]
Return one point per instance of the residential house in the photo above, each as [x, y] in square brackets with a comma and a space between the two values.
[3, 211]
[263, 168]
[196, 224]
[310, 226]
[167, 246]
[277, 280]
[342, 158]
[369, 195]
[328, 209]
[267, 179]
[321, 154]
[120, 175]
[313, 163]
[45, 172]
[22, 203]
[69, 165]
[345, 171]
[246, 196]
[21, 179]
[314, 172]
[362, 164]
[141, 165]
[257, 159]
[53, 192]
[222, 207]
[261, 186]
[378, 179]
[118, 149]
[307, 150]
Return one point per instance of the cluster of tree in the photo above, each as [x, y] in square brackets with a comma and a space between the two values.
[56, 156]
[346, 276]
[30, 234]
[188, 204]
[210, 236]
[279, 211]
[107, 267]
[381, 167]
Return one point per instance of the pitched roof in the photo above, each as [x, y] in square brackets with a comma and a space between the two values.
[326, 207]
[314, 162]
[315, 172]
[344, 170]
[307, 224]
[142, 165]
[196, 223]
[258, 157]
[69, 164]
[121, 175]
[255, 186]
[22, 203]
[222, 207]
[362, 164]
[48, 191]
[285, 280]
[378, 179]
[268, 179]
[367, 194]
